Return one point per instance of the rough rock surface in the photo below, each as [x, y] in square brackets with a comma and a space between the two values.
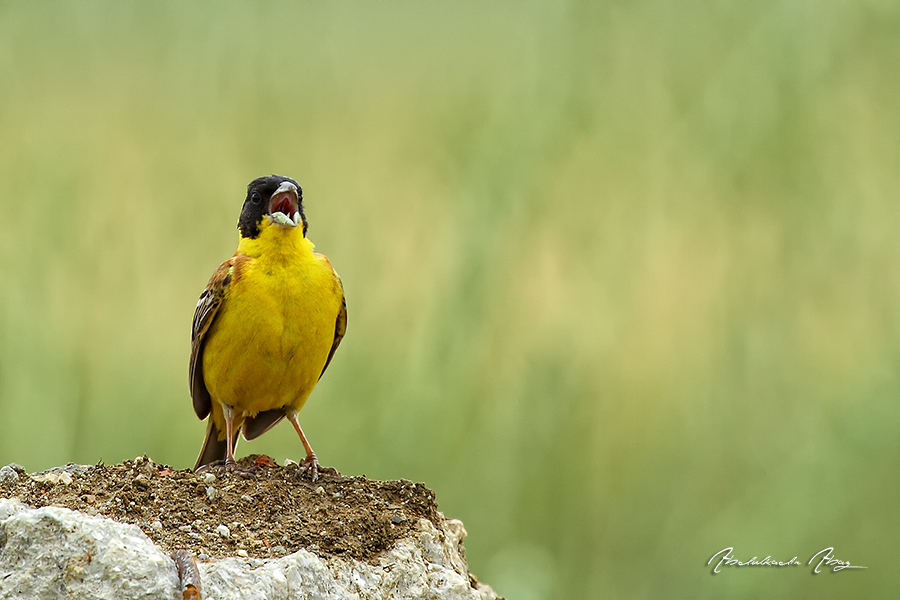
[53, 553]
[58, 553]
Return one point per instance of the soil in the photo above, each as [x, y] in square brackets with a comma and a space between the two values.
[267, 512]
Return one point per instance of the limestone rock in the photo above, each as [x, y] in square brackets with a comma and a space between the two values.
[55, 553]
[51, 553]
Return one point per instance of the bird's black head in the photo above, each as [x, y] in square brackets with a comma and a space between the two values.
[270, 196]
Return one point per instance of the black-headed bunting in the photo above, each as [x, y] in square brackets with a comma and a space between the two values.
[266, 326]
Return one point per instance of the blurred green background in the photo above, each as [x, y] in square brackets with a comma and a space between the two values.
[622, 277]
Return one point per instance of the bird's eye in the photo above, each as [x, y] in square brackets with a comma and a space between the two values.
[255, 198]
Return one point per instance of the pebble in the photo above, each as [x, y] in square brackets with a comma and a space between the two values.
[195, 535]
[53, 478]
[184, 527]
[288, 462]
[209, 478]
[246, 498]
[211, 493]
[278, 550]
[156, 525]
[223, 531]
[320, 490]
[242, 553]
[8, 474]
[397, 519]
[141, 481]
[203, 556]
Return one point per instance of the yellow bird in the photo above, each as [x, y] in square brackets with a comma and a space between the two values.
[266, 326]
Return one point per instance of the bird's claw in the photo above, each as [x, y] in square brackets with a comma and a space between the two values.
[311, 464]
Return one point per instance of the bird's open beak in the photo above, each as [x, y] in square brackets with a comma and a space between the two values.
[284, 206]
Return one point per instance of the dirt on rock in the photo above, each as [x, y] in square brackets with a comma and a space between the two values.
[267, 512]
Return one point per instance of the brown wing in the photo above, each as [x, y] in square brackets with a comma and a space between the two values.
[207, 306]
[340, 325]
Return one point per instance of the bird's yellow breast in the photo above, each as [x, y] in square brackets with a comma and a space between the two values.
[270, 339]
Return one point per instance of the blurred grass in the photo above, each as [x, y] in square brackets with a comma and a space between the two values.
[621, 277]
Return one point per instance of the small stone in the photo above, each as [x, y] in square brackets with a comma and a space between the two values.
[320, 490]
[246, 498]
[138, 460]
[89, 498]
[211, 493]
[397, 519]
[65, 478]
[289, 463]
[184, 527]
[278, 550]
[223, 531]
[156, 525]
[197, 523]
[8, 474]
[195, 535]
[209, 478]
[141, 481]
[242, 553]
[203, 556]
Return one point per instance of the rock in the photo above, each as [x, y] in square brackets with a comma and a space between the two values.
[53, 477]
[428, 566]
[54, 553]
[8, 474]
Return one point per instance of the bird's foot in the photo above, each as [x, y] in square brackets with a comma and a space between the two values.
[311, 465]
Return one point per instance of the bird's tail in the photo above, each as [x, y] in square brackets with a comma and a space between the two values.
[213, 448]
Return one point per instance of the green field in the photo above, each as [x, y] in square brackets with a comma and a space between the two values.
[622, 278]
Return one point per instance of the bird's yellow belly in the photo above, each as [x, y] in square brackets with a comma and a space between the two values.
[271, 338]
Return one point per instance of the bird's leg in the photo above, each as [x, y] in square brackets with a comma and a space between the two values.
[228, 411]
[311, 462]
